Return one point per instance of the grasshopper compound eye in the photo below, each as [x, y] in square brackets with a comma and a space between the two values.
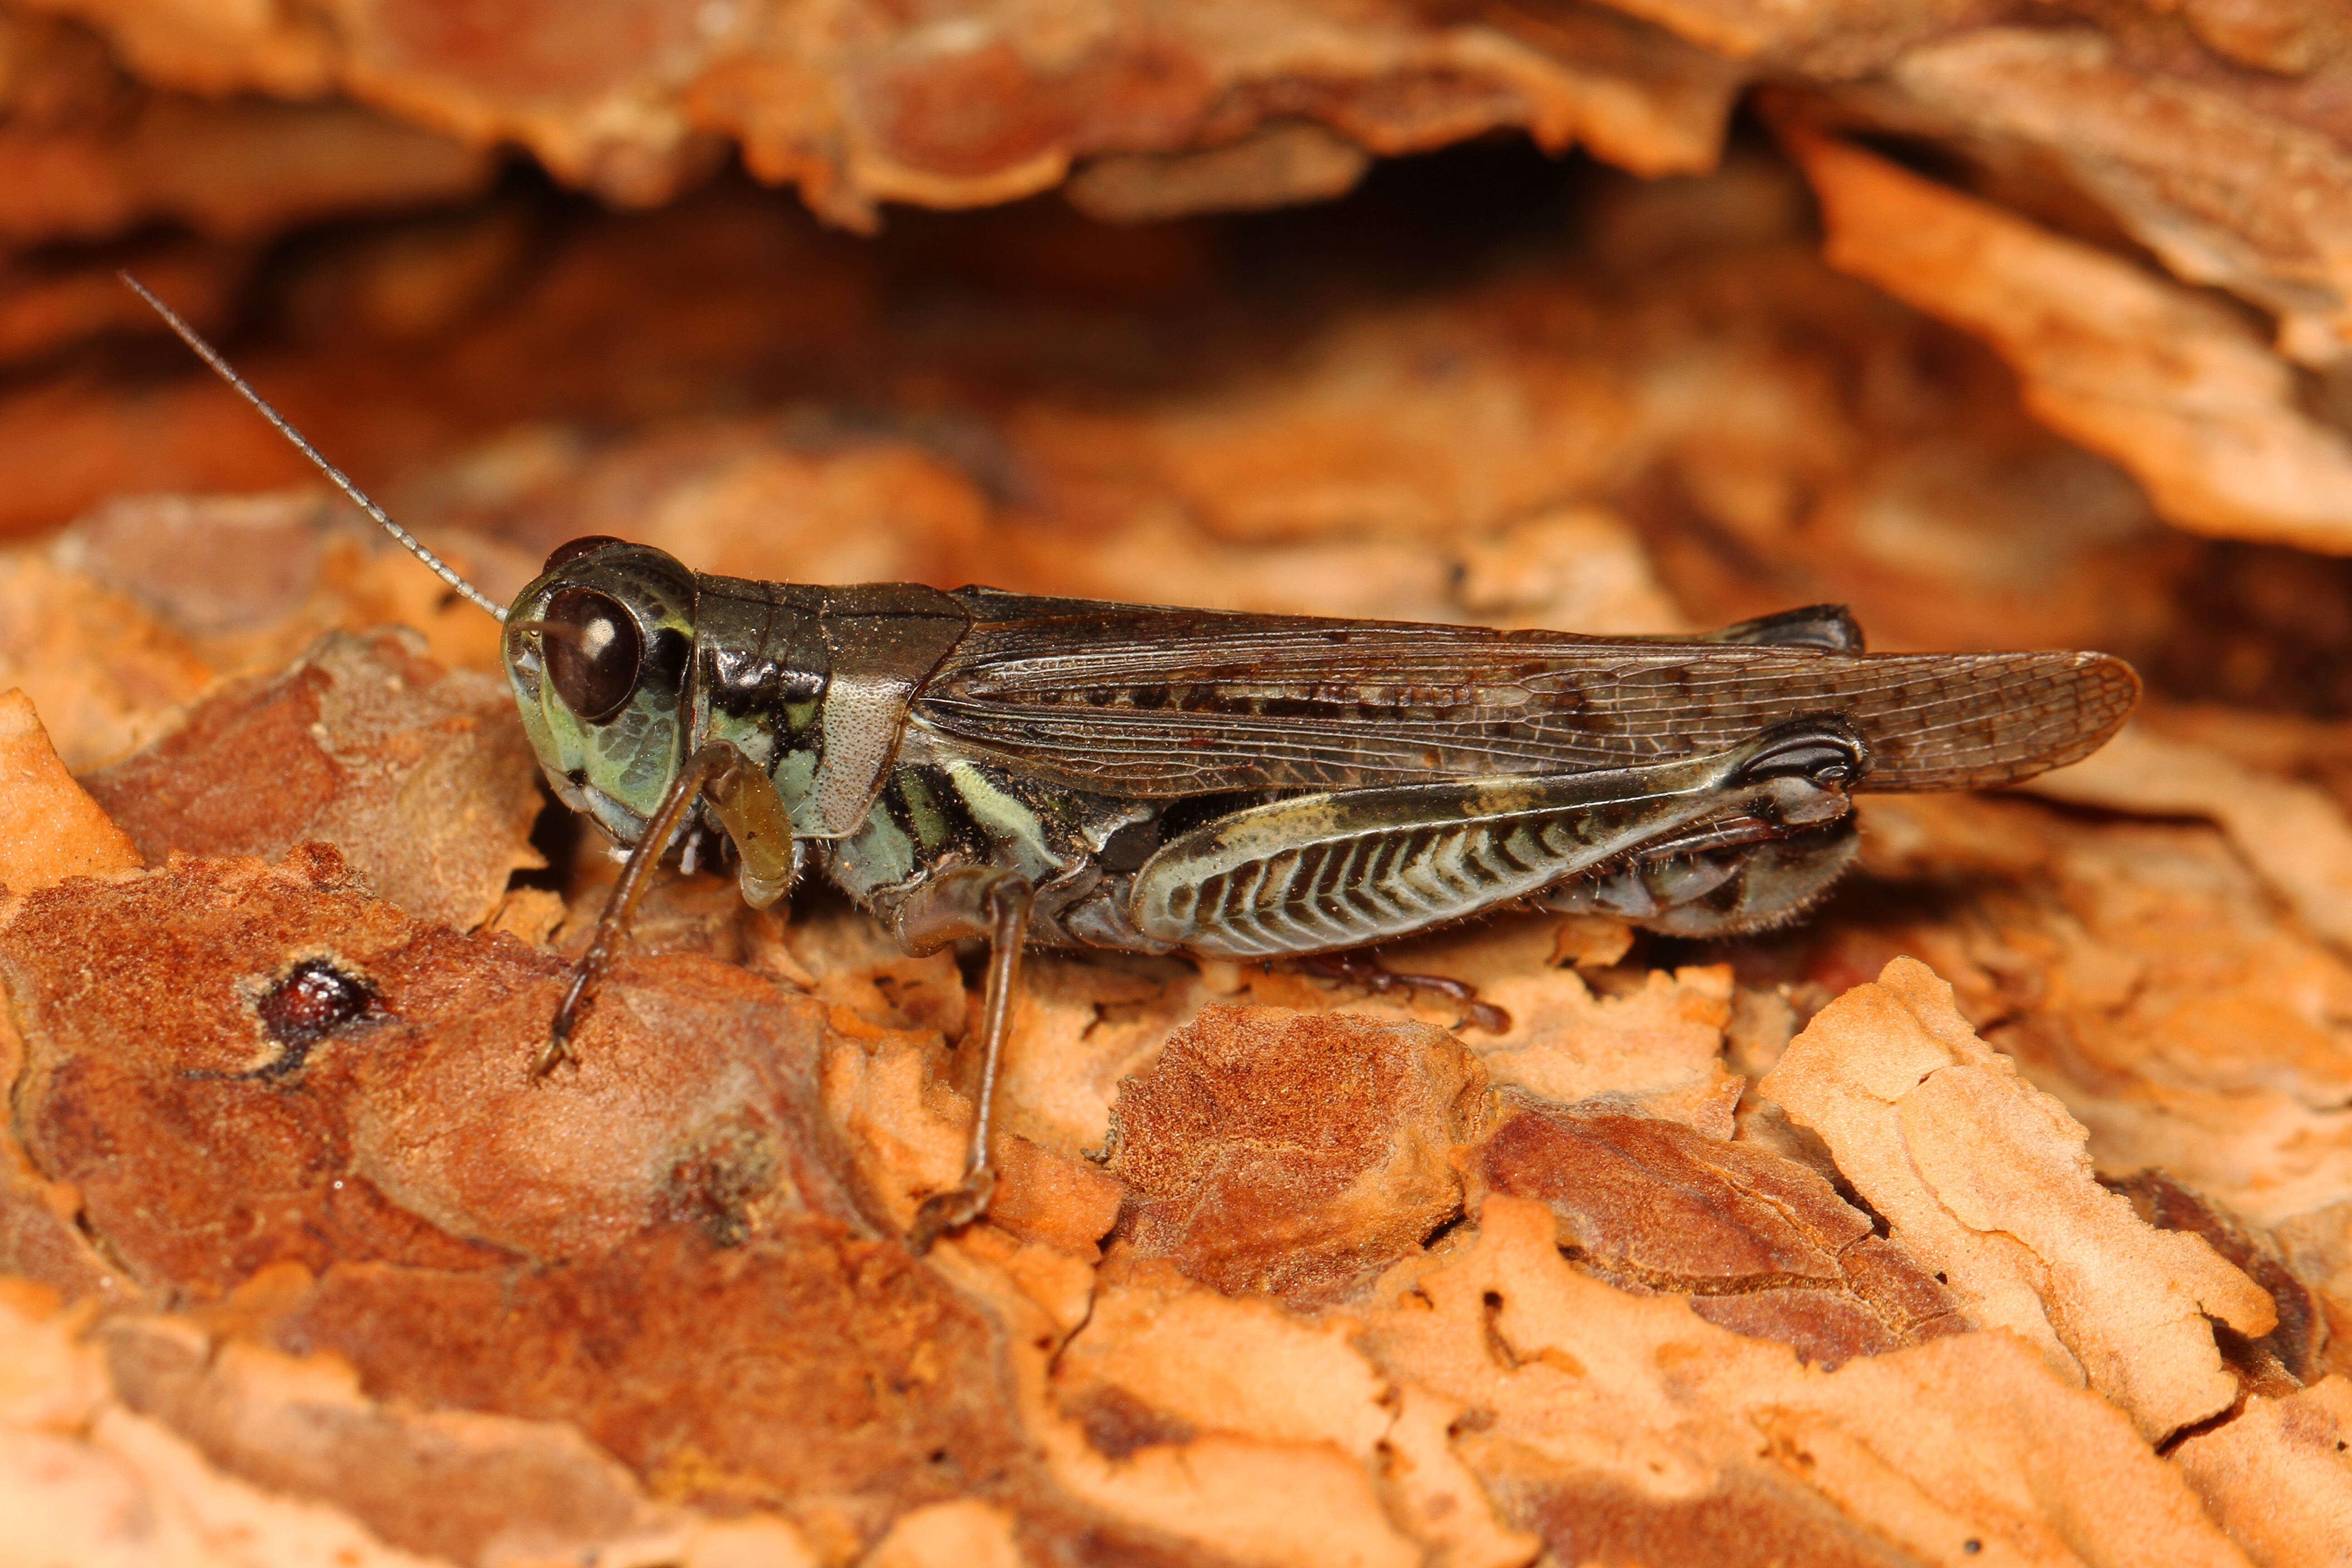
[593, 652]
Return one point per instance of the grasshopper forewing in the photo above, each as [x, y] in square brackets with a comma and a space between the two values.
[1028, 770]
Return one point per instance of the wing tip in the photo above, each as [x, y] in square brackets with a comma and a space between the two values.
[2099, 692]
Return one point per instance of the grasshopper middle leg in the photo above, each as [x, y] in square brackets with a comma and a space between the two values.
[974, 900]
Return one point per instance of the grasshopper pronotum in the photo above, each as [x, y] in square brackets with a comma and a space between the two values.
[982, 763]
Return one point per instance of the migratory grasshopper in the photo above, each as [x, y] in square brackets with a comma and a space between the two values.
[982, 763]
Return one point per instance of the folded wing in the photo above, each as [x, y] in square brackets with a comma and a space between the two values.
[1147, 703]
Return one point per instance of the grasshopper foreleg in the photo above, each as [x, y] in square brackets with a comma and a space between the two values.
[972, 901]
[708, 768]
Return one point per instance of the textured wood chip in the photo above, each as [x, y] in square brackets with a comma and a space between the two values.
[2317, 1244]
[2290, 1354]
[395, 1151]
[1624, 1428]
[1171, 1396]
[1292, 1153]
[1648, 1037]
[2142, 971]
[1661, 1046]
[263, 555]
[50, 828]
[445, 1483]
[1275, 167]
[804, 1370]
[84, 1480]
[419, 776]
[1755, 1242]
[2279, 1476]
[402, 1124]
[1986, 1181]
[884, 109]
[113, 637]
[2226, 194]
[91, 153]
[106, 676]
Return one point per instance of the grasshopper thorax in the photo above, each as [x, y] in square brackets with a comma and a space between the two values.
[597, 650]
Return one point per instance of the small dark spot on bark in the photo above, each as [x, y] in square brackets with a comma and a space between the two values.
[718, 1176]
[314, 999]
[1116, 1423]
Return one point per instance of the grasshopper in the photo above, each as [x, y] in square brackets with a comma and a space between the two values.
[1086, 775]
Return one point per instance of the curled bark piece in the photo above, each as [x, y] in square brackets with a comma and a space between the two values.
[1986, 1180]
[2175, 387]
[1280, 165]
[993, 104]
[2278, 1476]
[50, 829]
[1753, 1241]
[89, 152]
[2227, 194]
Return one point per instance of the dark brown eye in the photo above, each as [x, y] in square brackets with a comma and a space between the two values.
[593, 649]
[565, 554]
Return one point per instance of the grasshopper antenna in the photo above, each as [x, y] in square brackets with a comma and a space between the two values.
[335, 476]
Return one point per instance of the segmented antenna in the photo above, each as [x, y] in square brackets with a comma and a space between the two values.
[335, 476]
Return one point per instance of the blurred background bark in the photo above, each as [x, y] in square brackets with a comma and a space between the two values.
[1060, 259]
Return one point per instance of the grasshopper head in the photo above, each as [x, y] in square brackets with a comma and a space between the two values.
[597, 650]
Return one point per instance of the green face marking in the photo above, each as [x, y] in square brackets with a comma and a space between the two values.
[597, 651]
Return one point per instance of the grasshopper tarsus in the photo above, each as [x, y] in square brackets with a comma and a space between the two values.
[943, 1214]
[579, 995]
[556, 1049]
[1485, 1015]
[1356, 968]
